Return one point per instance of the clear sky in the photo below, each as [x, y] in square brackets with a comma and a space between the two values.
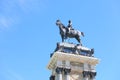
[28, 35]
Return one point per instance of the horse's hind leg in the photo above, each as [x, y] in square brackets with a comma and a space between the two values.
[78, 39]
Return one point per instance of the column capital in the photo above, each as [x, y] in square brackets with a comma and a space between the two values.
[59, 70]
[52, 77]
[67, 71]
[85, 73]
[93, 74]
[89, 74]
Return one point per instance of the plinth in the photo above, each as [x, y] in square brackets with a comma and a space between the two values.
[72, 65]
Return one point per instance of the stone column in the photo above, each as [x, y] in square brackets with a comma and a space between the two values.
[92, 75]
[67, 73]
[85, 75]
[67, 70]
[59, 73]
[52, 77]
[86, 72]
[92, 72]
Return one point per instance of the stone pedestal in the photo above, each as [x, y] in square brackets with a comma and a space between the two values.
[72, 67]
[68, 66]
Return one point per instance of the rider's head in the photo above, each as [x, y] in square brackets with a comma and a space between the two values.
[58, 20]
[69, 21]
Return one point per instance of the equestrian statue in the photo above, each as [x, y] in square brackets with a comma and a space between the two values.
[69, 32]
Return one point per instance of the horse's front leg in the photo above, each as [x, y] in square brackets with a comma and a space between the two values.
[62, 38]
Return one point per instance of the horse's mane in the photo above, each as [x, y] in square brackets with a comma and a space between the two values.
[63, 26]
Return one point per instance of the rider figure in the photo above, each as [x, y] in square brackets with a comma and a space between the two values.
[69, 26]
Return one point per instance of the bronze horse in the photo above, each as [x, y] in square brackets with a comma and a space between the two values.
[72, 34]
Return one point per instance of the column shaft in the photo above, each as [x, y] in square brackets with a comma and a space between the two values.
[59, 73]
[86, 72]
[67, 73]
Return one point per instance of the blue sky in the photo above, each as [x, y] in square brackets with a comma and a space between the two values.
[28, 35]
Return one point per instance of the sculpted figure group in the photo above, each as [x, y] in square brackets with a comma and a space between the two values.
[69, 31]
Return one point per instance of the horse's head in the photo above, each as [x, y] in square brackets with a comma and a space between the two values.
[58, 23]
[82, 34]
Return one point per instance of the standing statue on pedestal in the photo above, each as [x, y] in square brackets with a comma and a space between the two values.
[69, 32]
